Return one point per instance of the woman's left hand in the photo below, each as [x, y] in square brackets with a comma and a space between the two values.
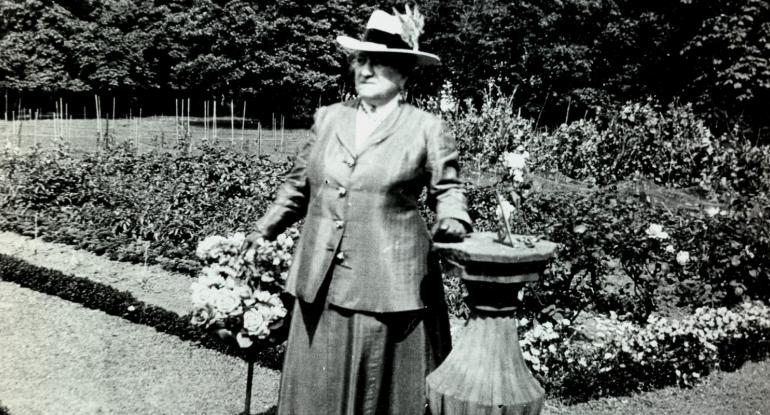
[449, 230]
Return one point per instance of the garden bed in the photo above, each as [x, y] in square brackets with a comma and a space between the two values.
[679, 273]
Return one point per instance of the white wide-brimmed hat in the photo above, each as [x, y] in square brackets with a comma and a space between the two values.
[389, 33]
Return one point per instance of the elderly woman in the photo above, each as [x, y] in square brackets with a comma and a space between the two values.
[369, 322]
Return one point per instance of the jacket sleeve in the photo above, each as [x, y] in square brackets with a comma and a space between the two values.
[446, 195]
[291, 202]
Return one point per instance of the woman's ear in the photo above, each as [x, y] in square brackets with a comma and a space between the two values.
[402, 83]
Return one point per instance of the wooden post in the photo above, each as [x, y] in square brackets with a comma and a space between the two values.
[214, 121]
[98, 122]
[282, 149]
[259, 138]
[243, 124]
[34, 130]
[232, 125]
[176, 119]
[485, 373]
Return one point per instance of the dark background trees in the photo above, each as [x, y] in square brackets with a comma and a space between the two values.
[280, 55]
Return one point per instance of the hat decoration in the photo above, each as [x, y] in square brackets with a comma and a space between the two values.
[412, 24]
[392, 33]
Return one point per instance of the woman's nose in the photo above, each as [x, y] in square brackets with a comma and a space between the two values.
[365, 67]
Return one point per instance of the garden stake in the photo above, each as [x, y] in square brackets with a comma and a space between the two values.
[243, 125]
[249, 376]
[34, 130]
[176, 119]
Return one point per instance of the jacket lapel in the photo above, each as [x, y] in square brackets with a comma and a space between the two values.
[346, 127]
[386, 128]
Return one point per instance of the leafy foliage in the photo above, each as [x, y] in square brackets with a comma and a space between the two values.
[153, 206]
[565, 58]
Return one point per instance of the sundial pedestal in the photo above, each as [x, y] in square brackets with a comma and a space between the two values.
[485, 373]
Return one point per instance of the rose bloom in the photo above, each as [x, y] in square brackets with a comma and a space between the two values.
[656, 231]
[682, 258]
[515, 161]
[253, 321]
[712, 211]
[226, 301]
[201, 295]
[200, 317]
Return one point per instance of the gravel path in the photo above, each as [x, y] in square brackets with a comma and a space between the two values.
[151, 284]
[57, 357]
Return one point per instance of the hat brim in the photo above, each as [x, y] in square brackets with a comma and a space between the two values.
[423, 58]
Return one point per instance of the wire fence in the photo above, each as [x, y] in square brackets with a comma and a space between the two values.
[149, 133]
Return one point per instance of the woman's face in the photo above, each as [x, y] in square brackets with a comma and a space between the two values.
[376, 81]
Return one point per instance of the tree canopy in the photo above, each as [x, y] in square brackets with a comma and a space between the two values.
[557, 54]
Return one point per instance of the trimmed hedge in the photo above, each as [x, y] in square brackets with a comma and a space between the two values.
[102, 297]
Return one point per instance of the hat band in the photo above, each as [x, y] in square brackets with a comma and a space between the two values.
[392, 41]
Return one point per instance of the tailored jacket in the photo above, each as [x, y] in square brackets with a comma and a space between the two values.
[360, 207]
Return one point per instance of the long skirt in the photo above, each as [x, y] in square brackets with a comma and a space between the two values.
[341, 361]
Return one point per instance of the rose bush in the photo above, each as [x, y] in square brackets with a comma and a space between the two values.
[622, 357]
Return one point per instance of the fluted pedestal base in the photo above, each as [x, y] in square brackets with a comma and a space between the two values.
[485, 373]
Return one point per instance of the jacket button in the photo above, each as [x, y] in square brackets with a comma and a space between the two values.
[341, 256]
[339, 224]
[342, 191]
[350, 162]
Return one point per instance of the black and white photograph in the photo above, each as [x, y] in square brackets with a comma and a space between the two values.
[425, 207]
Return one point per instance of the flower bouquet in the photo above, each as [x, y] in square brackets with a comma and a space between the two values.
[238, 295]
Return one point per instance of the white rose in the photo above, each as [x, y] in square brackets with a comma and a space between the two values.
[262, 296]
[670, 249]
[682, 258]
[200, 295]
[226, 301]
[253, 321]
[200, 317]
[712, 211]
[208, 246]
[655, 231]
[515, 161]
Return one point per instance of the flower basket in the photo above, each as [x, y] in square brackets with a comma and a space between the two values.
[239, 295]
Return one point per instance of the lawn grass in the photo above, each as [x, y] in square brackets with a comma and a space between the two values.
[151, 133]
[744, 391]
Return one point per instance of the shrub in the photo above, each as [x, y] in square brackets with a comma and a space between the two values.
[148, 207]
[668, 146]
[623, 357]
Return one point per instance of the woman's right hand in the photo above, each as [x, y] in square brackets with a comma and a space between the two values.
[249, 247]
[251, 241]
